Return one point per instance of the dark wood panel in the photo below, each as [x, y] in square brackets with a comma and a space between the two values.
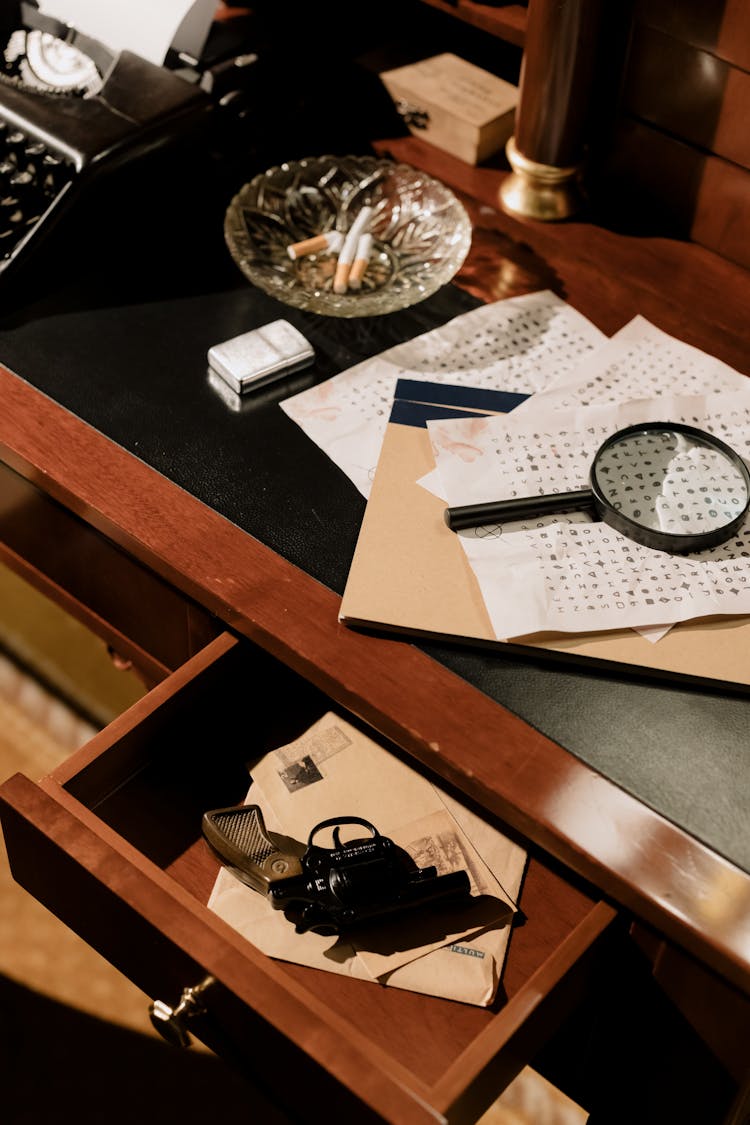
[679, 190]
[719, 26]
[504, 21]
[675, 160]
[722, 214]
[689, 93]
[720, 1015]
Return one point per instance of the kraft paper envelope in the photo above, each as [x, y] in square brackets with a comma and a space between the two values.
[409, 573]
[335, 770]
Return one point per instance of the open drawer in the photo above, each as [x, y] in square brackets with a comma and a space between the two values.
[130, 607]
[111, 843]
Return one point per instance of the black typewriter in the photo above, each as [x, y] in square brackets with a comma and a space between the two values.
[70, 111]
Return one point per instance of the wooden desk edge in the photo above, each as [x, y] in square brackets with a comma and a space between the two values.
[636, 857]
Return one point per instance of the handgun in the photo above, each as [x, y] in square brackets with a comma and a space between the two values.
[322, 889]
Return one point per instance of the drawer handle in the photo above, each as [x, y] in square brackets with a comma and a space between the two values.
[171, 1022]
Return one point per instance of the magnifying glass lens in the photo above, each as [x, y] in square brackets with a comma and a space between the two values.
[671, 482]
[666, 485]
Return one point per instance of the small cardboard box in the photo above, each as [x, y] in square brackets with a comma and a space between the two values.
[454, 105]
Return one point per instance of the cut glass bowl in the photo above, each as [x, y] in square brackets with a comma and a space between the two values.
[421, 232]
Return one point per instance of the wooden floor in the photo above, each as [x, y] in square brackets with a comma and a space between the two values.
[52, 980]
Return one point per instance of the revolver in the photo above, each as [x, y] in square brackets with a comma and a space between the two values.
[326, 890]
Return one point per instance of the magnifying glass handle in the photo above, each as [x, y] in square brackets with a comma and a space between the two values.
[523, 507]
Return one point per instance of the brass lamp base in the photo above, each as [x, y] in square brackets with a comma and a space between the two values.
[540, 191]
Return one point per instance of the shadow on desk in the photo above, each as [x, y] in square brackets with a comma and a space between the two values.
[63, 1064]
[60, 1064]
[630, 1056]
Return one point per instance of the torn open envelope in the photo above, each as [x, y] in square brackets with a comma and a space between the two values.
[334, 770]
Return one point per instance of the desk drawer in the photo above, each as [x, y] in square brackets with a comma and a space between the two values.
[111, 843]
[139, 614]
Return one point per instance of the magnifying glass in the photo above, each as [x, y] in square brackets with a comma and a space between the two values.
[663, 484]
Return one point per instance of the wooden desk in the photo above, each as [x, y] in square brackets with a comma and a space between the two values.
[67, 489]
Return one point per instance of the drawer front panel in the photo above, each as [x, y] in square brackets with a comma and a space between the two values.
[151, 940]
[688, 94]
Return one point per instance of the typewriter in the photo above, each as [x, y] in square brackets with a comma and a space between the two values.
[72, 111]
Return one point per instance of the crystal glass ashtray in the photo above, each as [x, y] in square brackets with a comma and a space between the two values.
[420, 233]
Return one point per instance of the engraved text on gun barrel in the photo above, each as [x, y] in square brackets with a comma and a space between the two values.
[327, 890]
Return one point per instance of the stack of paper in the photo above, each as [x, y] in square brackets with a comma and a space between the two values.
[562, 584]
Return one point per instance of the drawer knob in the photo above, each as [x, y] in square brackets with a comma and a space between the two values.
[171, 1023]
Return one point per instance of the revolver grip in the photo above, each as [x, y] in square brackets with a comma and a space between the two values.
[238, 836]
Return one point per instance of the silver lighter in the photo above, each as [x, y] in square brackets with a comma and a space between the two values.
[261, 355]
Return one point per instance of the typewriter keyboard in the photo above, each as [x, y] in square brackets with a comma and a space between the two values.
[32, 180]
[67, 117]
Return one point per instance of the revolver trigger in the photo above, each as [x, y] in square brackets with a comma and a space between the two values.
[337, 836]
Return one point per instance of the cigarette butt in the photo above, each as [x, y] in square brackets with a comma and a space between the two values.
[361, 261]
[348, 250]
[331, 240]
[341, 277]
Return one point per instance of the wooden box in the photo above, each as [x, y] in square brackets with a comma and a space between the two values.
[454, 105]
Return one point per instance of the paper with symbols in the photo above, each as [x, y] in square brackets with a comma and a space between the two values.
[639, 361]
[571, 574]
[522, 345]
[411, 574]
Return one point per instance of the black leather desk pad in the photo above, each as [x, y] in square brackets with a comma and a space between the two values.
[138, 374]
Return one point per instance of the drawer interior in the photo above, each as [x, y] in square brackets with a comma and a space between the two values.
[192, 751]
